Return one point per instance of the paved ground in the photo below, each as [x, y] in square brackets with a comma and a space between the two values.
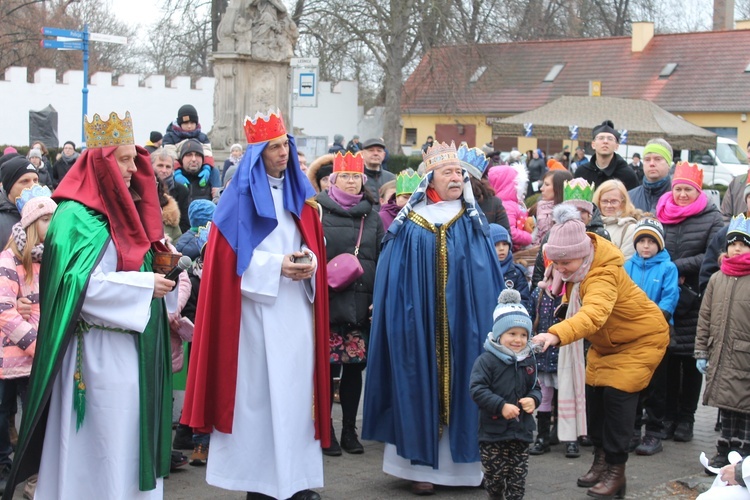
[551, 476]
[675, 474]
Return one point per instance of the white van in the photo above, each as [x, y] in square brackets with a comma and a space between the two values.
[721, 165]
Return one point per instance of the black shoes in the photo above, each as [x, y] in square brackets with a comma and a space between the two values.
[306, 495]
[572, 450]
[684, 432]
[335, 449]
[650, 445]
[349, 441]
[183, 438]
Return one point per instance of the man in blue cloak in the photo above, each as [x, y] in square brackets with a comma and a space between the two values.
[435, 289]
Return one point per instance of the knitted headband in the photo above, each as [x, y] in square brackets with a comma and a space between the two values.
[658, 149]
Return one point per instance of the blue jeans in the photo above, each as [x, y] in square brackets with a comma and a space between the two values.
[10, 390]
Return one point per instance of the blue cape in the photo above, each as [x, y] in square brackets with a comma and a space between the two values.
[401, 403]
[245, 213]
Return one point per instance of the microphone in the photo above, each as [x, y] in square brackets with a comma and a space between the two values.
[183, 264]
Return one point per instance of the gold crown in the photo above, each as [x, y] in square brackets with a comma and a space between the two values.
[440, 154]
[113, 132]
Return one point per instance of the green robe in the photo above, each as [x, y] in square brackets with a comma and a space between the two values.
[76, 241]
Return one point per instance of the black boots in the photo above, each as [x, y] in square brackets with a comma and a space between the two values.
[335, 449]
[612, 483]
[596, 471]
[541, 445]
[349, 441]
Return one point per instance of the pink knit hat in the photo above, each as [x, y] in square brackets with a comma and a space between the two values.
[567, 238]
[35, 209]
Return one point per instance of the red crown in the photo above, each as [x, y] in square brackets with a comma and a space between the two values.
[689, 174]
[264, 128]
[349, 163]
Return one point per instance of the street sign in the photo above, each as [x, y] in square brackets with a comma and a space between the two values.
[307, 84]
[101, 37]
[68, 45]
[305, 62]
[78, 35]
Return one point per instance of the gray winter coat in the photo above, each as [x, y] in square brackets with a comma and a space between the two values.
[341, 227]
[724, 339]
[9, 215]
[686, 243]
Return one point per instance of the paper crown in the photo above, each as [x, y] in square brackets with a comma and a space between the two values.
[440, 154]
[27, 194]
[349, 163]
[473, 160]
[113, 132]
[739, 228]
[578, 189]
[264, 128]
[685, 173]
[407, 182]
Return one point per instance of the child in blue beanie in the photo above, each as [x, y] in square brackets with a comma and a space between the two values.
[513, 274]
[505, 387]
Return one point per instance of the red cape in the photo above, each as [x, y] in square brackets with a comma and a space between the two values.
[212, 373]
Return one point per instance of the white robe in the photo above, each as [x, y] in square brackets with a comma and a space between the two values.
[449, 473]
[272, 448]
[101, 459]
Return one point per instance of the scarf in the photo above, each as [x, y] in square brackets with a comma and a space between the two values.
[169, 181]
[503, 353]
[668, 212]
[571, 368]
[655, 186]
[343, 199]
[739, 265]
[72, 158]
[507, 264]
[19, 236]
[543, 219]
[233, 160]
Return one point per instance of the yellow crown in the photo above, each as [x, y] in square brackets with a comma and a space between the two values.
[113, 132]
[440, 154]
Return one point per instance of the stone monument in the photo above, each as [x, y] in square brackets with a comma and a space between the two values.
[251, 66]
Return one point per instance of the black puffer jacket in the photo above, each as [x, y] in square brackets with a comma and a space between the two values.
[617, 169]
[341, 227]
[686, 243]
[9, 215]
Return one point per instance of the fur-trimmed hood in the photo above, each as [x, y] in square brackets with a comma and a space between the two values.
[313, 168]
[170, 213]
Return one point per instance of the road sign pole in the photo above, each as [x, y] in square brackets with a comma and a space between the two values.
[85, 89]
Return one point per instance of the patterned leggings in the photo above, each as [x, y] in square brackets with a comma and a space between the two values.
[735, 430]
[506, 465]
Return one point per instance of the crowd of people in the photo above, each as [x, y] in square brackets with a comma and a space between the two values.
[489, 330]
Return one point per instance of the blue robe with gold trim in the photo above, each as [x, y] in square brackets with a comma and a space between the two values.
[408, 388]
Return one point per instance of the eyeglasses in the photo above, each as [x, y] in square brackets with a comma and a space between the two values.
[350, 177]
[612, 203]
[605, 137]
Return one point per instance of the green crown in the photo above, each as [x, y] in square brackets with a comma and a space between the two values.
[407, 182]
[578, 189]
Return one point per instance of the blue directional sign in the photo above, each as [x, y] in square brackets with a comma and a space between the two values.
[67, 45]
[63, 32]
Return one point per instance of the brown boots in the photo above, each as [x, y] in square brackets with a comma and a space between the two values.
[612, 483]
[595, 472]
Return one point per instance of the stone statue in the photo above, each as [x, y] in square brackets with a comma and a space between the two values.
[251, 65]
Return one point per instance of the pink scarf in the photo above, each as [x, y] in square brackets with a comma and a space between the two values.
[668, 212]
[344, 199]
[739, 265]
[543, 219]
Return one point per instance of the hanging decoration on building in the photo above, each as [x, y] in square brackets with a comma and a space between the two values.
[528, 129]
[573, 132]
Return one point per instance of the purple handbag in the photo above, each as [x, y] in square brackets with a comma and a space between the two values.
[344, 269]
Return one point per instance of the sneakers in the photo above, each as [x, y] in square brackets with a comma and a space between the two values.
[650, 445]
[635, 441]
[200, 455]
[669, 428]
[684, 432]
[349, 441]
[177, 460]
[572, 450]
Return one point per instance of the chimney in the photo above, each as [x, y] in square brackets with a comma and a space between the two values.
[643, 32]
[723, 15]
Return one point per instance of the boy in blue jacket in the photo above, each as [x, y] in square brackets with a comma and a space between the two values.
[505, 387]
[513, 274]
[653, 271]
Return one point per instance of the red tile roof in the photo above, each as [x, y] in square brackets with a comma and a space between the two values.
[710, 74]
